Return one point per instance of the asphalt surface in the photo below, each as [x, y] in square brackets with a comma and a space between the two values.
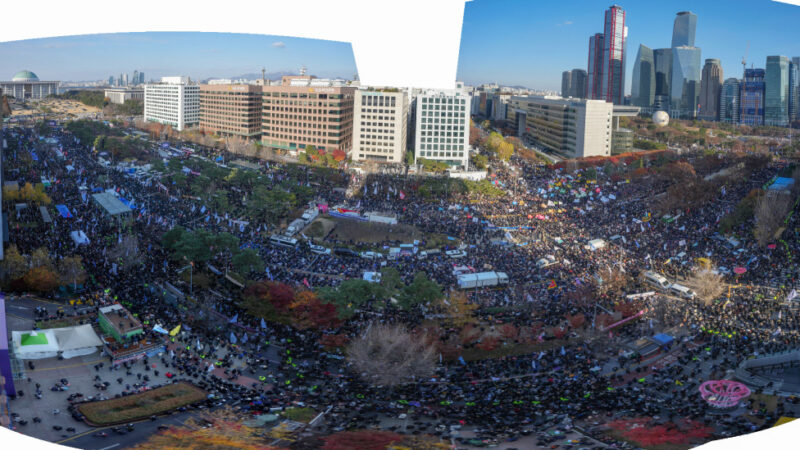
[141, 432]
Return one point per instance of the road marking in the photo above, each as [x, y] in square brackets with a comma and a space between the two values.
[110, 446]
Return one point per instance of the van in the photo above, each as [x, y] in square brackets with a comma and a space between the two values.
[425, 253]
[371, 255]
[682, 291]
[455, 254]
[545, 262]
[318, 249]
[345, 252]
[656, 280]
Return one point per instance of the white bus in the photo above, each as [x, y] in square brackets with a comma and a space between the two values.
[283, 241]
[656, 280]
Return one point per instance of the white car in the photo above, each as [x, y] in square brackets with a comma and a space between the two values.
[455, 254]
[318, 249]
[371, 255]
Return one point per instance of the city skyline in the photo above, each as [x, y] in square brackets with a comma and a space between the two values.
[549, 38]
[195, 54]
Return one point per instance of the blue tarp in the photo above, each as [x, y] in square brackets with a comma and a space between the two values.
[663, 339]
[125, 202]
[781, 184]
[64, 211]
[97, 189]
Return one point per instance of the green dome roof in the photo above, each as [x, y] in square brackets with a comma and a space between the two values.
[25, 75]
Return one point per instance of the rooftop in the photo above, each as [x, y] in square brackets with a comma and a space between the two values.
[111, 204]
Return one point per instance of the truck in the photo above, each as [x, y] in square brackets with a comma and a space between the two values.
[295, 227]
[481, 279]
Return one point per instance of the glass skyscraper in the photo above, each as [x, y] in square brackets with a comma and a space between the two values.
[615, 33]
[684, 29]
[685, 89]
[594, 80]
[729, 101]
[663, 67]
[751, 95]
[776, 97]
[643, 84]
[794, 89]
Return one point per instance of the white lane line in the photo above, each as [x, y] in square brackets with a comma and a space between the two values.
[110, 447]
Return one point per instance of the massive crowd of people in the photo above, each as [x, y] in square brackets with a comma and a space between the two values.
[543, 211]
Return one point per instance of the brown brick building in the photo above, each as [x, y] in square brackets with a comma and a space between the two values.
[305, 110]
[231, 110]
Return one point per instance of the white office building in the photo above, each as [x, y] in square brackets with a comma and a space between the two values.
[121, 95]
[442, 126]
[380, 125]
[174, 101]
[569, 128]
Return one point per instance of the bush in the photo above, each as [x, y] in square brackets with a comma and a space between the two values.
[139, 406]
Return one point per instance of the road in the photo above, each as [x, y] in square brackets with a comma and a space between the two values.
[142, 431]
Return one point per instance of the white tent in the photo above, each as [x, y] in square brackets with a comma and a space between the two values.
[79, 237]
[70, 341]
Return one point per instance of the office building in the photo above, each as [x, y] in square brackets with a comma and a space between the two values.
[751, 98]
[174, 101]
[794, 89]
[594, 80]
[566, 84]
[614, 36]
[684, 29]
[498, 103]
[776, 92]
[25, 85]
[643, 84]
[442, 126]
[304, 110]
[231, 110]
[569, 128]
[662, 58]
[111, 80]
[135, 79]
[121, 95]
[685, 82]
[380, 125]
[710, 88]
[729, 101]
[578, 83]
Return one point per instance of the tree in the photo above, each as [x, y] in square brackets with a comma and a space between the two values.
[421, 291]
[480, 161]
[308, 311]
[361, 440]
[505, 150]
[247, 261]
[222, 428]
[281, 296]
[70, 270]
[387, 355]
[613, 281]
[460, 311]
[41, 258]
[390, 280]
[41, 279]
[771, 209]
[171, 238]
[351, 295]
[708, 284]
[14, 265]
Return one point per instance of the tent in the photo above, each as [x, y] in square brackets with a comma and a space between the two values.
[64, 211]
[70, 342]
[663, 340]
[79, 237]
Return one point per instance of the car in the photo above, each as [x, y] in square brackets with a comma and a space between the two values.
[345, 252]
[455, 254]
[318, 249]
[371, 255]
[163, 427]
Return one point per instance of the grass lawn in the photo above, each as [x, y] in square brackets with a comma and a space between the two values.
[65, 322]
[143, 405]
[299, 414]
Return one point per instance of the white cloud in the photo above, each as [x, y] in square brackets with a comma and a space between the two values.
[563, 24]
[279, 44]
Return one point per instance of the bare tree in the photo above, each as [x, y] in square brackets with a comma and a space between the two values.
[708, 284]
[389, 355]
[126, 252]
[613, 280]
[771, 209]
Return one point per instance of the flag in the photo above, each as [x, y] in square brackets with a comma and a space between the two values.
[210, 368]
[175, 331]
[563, 352]
[402, 195]
[159, 329]
[233, 338]
[533, 364]
[234, 319]
[791, 295]
[461, 360]
[552, 284]
[651, 323]
[263, 324]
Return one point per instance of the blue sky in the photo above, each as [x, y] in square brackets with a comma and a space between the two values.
[530, 42]
[198, 55]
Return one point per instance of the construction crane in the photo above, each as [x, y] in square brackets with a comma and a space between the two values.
[744, 58]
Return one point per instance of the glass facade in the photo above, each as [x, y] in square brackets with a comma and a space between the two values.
[794, 89]
[751, 95]
[643, 84]
[776, 96]
[615, 34]
[662, 58]
[684, 29]
[685, 89]
[729, 101]
[594, 80]
[710, 87]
